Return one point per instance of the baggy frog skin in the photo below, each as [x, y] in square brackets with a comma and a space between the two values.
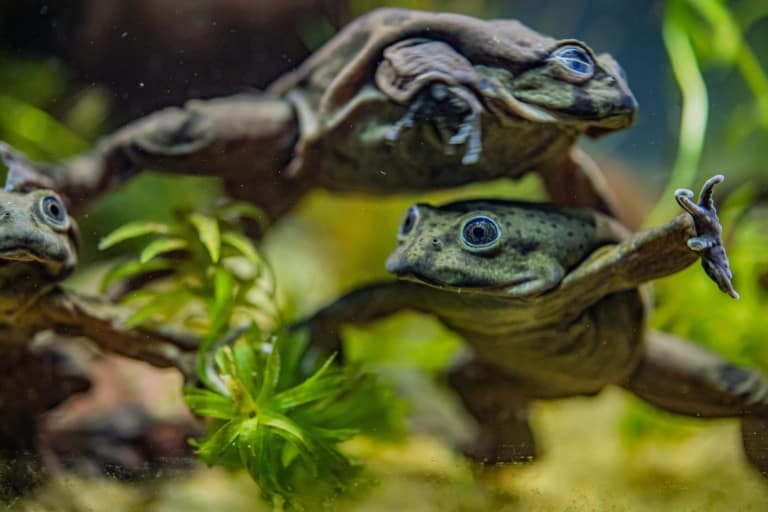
[551, 303]
[398, 101]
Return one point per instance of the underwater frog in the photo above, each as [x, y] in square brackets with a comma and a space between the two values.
[549, 302]
[38, 248]
[397, 101]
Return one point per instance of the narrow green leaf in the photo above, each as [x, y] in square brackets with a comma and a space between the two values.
[220, 308]
[153, 308]
[161, 246]
[257, 456]
[308, 392]
[245, 365]
[271, 375]
[209, 404]
[293, 346]
[332, 434]
[292, 433]
[213, 448]
[208, 232]
[132, 230]
[130, 269]
[243, 245]
[236, 211]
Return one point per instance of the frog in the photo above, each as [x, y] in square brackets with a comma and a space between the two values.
[38, 250]
[398, 101]
[553, 303]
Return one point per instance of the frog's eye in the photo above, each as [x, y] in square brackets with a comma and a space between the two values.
[481, 233]
[53, 211]
[575, 62]
[410, 220]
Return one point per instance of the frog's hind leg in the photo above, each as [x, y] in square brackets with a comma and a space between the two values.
[500, 409]
[686, 379]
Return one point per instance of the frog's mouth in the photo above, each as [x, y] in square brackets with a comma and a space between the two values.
[9, 256]
[524, 287]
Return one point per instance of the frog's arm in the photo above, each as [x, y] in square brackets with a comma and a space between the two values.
[659, 251]
[361, 306]
[245, 140]
[72, 315]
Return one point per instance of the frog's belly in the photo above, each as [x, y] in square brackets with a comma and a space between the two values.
[599, 347]
[354, 155]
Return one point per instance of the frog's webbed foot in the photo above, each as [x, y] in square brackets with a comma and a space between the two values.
[708, 240]
[447, 106]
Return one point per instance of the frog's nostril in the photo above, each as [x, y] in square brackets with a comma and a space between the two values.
[436, 244]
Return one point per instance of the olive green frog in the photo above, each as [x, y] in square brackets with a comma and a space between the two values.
[398, 101]
[550, 303]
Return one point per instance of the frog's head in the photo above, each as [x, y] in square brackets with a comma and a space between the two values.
[492, 247]
[34, 225]
[566, 84]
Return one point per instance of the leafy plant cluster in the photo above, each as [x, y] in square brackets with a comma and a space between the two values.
[274, 410]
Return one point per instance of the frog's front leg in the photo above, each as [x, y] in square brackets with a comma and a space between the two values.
[242, 139]
[76, 316]
[358, 307]
[686, 379]
[708, 240]
[434, 81]
[656, 252]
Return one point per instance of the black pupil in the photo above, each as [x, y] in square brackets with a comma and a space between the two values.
[54, 209]
[480, 231]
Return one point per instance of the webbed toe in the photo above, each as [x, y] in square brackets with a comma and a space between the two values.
[708, 240]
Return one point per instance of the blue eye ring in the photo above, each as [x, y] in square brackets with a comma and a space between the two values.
[53, 211]
[575, 62]
[480, 233]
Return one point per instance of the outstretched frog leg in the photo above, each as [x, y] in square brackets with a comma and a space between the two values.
[244, 140]
[360, 306]
[656, 252]
[75, 316]
[686, 379]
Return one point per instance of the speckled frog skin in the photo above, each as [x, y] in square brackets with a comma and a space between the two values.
[397, 101]
[549, 301]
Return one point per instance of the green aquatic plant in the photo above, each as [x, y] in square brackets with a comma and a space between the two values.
[272, 411]
[698, 34]
[280, 424]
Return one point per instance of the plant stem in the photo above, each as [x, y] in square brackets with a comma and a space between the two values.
[695, 110]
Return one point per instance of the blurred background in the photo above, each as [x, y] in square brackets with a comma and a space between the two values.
[72, 70]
